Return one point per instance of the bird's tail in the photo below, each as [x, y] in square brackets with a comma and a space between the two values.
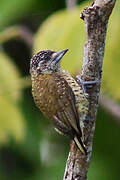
[80, 145]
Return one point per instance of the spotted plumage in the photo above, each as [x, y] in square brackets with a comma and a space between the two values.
[58, 95]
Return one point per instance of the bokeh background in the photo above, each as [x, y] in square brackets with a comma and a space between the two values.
[29, 147]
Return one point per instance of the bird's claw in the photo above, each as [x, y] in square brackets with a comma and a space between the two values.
[86, 84]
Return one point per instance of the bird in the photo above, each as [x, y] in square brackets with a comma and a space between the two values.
[58, 95]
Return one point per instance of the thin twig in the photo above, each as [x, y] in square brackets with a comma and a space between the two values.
[17, 32]
[96, 20]
[71, 4]
[112, 107]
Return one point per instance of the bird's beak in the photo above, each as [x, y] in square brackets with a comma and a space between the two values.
[59, 55]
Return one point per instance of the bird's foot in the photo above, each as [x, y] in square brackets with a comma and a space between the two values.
[86, 84]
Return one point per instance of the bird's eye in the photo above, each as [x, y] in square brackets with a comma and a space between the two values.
[54, 55]
[41, 57]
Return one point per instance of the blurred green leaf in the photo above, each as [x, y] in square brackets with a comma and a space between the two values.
[12, 10]
[60, 31]
[11, 119]
[111, 70]
[9, 78]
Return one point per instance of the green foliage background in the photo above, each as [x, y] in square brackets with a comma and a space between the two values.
[29, 147]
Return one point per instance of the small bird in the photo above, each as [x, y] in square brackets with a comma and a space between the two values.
[58, 95]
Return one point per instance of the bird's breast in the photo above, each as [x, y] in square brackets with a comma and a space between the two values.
[44, 93]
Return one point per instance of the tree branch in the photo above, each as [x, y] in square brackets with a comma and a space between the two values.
[96, 20]
[17, 32]
[111, 106]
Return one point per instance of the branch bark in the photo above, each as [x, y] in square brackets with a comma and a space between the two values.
[96, 20]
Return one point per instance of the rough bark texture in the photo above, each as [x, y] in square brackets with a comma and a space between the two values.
[96, 20]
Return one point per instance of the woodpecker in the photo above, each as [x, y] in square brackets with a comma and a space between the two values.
[58, 95]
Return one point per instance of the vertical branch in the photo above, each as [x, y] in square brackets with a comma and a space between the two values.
[96, 20]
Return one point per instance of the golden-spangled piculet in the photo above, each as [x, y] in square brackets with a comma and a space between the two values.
[58, 95]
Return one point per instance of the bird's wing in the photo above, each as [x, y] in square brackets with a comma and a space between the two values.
[66, 117]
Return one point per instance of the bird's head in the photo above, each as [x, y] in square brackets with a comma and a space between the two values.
[46, 61]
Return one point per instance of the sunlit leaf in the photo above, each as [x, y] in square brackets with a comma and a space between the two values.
[11, 121]
[11, 118]
[9, 78]
[111, 69]
[63, 30]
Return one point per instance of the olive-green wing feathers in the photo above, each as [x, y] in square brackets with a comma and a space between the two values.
[67, 114]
